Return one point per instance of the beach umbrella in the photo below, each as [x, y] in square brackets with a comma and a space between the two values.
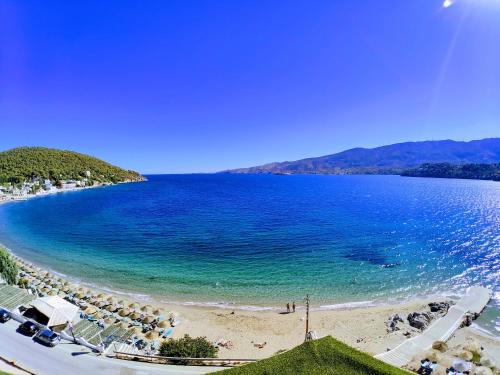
[110, 299]
[99, 315]
[66, 283]
[94, 296]
[164, 324]
[62, 294]
[121, 302]
[148, 319]
[102, 304]
[134, 305]
[80, 295]
[52, 293]
[123, 325]
[124, 312]
[150, 335]
[102, 296]
[90, 310]
[45, 289]
[159, 311]
[136, 330]
[111, 308]
[135, 316]
[109, 320]
[148, 309]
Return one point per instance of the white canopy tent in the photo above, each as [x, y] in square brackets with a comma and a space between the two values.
[56, 309]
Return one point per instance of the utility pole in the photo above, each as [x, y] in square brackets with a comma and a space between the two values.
[307, 317]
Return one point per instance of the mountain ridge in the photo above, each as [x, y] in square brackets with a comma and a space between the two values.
[387, 159]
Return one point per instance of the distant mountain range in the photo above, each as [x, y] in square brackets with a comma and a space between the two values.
[391, 159]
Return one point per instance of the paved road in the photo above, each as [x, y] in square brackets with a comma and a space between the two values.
[68, 358]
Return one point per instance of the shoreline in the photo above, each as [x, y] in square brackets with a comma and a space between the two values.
[15, 198]
[252, 307]
[361, 326]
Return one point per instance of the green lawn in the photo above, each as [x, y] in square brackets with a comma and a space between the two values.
[319, 357]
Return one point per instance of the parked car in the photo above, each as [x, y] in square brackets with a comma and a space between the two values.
[28, 328]
[48, 337]
[4, 315]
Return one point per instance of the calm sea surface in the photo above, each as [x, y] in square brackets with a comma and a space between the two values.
[265, 240]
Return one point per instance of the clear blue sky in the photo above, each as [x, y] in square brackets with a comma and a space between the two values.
[200, 86]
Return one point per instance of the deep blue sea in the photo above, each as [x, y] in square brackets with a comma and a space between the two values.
[264, 240]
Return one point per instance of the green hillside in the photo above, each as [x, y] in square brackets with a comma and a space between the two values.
[23, 163]
[447, 170]
[320, 357]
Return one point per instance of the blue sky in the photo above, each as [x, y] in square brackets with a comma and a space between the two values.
[201, 86]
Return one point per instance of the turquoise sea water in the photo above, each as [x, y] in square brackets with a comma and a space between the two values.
[264, 240]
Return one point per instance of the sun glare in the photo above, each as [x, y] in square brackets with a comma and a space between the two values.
[447, 3]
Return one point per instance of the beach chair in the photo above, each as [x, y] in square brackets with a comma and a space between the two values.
[167, 334]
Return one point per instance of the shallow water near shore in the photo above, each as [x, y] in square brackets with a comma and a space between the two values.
[264, 240]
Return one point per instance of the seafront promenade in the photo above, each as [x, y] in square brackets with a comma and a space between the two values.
[473, 302]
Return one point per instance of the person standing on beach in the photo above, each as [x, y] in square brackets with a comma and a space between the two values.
[288, 307]
[293, 306]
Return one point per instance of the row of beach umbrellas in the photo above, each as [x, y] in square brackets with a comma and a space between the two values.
[53, 285]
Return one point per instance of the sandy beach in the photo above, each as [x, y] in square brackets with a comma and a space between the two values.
[361, 327]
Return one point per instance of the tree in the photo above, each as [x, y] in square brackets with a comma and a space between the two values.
[188, 347]
[8, 267]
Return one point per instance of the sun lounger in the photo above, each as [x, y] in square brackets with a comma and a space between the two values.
[168, 333]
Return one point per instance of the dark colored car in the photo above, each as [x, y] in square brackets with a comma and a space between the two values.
[28, 328]
[48, 337]
[4, 315]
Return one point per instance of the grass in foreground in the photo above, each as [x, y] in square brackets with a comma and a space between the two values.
[319, 357]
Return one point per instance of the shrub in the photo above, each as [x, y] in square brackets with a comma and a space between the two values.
[23, 283]
[188, 347]
[8, 267]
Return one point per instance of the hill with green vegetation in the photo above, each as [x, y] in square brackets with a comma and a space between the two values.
[447, 170]
[325, 356]
[24, 163]
[390, 159]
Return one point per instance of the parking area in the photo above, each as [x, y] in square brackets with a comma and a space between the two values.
[69, 358]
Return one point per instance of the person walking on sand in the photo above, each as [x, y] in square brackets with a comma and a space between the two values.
[293, 306]
[288, 307]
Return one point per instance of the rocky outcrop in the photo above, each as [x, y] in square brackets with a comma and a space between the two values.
[392, 322]
[440, 307]
[419, 320]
